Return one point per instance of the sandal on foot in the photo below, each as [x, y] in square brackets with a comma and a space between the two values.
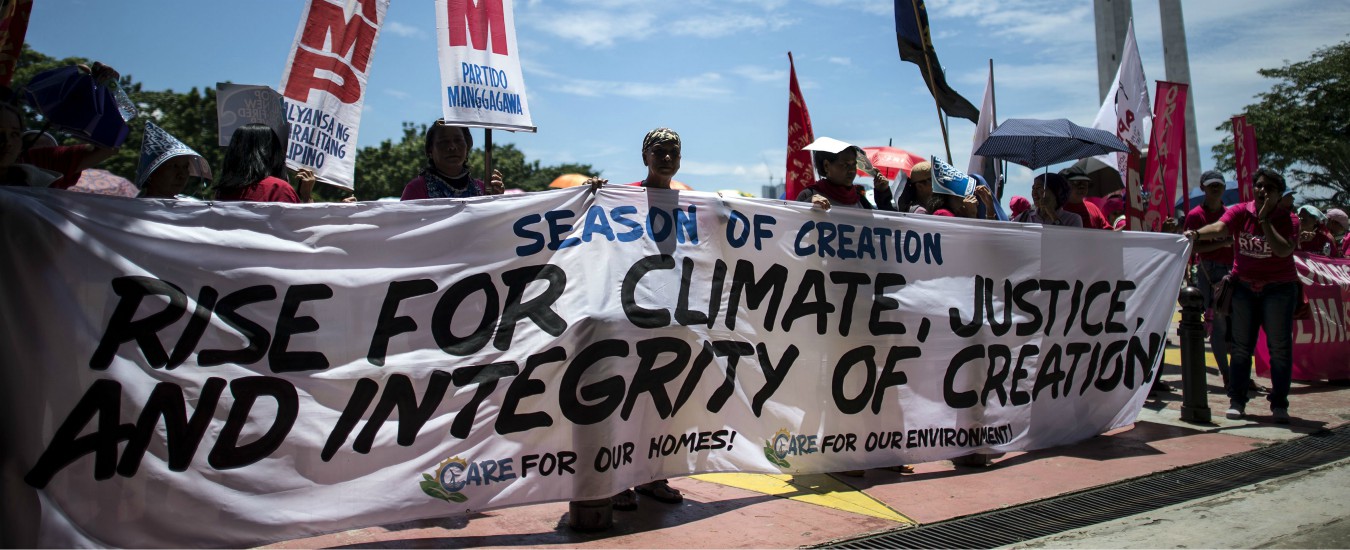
[625, 501]
[661, 491]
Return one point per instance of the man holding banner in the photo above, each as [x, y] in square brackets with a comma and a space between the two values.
[1214, 259]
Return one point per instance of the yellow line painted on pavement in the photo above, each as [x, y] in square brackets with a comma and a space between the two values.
[818, 489]
[1172, 356]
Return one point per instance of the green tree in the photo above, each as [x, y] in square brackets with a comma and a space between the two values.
[191, 116]
[381, 171]
[1303, 125]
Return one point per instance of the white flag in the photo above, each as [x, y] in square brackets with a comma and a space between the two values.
[1126, 111]
[481, 82]
[983, 128]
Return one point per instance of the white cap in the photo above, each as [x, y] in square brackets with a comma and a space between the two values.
[828, 145]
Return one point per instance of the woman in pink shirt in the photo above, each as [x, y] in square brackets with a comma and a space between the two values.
[1266, 291]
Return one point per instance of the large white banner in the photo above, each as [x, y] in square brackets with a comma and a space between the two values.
[230, 374]
[481, 81]
[325, 85]
[1126, 111]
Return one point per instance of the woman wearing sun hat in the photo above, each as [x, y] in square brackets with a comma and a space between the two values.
[918, 192]
[166, 164]
[1313, 235]
[837, 163]
[1339, 224]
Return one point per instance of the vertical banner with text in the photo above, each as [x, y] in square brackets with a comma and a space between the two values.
[325, 83]
[1244, 157]
[481, 81]
[1165, 152]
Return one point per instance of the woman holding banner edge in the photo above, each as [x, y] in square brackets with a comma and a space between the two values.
[837, 164]
[447, 172]
[661, 156]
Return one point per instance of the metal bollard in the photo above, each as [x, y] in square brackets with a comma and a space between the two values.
[590, 515]
[1191, 332]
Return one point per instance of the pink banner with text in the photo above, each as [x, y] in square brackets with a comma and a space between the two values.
[1244, 157]
[1166, 151]
[1322, 341]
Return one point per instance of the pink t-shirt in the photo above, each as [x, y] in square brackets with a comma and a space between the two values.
[1321, 244]
[1254, 261]
[1199, 217]
[1092, 216]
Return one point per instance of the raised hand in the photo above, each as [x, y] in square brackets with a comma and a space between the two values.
[496, 186]
[820, 202]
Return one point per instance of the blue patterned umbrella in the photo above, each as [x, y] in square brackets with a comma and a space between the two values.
[1038, 143]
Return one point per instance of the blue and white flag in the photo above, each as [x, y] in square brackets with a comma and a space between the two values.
[947, 180]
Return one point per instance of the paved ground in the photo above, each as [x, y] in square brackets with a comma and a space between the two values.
[1305, 510]
[754, 511]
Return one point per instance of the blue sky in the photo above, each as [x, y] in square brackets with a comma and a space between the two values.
[601, 73]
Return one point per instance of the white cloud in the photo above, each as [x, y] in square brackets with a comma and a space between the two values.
[1031, 21]
[398, 94]
[697, 87]
[593, 28]
[767, 5]
[875, 7]
[759, 171]
[760, 74]
[840, 61]
[604, 23]
[713, 26]
[405, 31]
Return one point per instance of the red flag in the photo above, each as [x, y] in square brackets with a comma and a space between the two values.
[1165, 153]
[13, 27]
[799, 170]
[1244, 157]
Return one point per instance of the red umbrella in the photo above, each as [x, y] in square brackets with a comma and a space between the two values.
[890, 160]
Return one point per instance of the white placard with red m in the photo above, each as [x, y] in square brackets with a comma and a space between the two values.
[481, 81]
[325, 83]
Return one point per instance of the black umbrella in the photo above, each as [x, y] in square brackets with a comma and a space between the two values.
[1039, 143]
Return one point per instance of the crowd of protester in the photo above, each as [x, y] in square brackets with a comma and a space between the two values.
[1247, 246]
